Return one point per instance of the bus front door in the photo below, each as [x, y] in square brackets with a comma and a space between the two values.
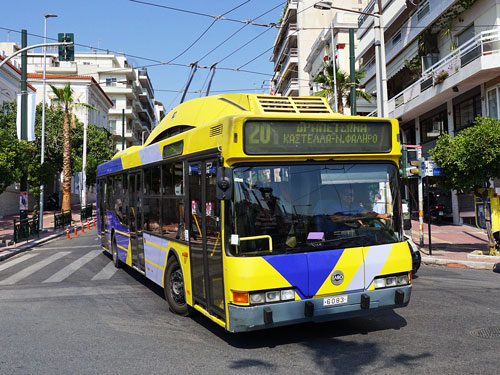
[205, 238]
[135, 219]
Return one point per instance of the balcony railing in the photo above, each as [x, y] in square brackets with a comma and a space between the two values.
[485, 43]
[368, 9]
[293, 84]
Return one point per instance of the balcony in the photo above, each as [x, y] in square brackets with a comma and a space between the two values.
[291, 30]
[425, 15]
[473, 63]
[292, 88]
[129, 112]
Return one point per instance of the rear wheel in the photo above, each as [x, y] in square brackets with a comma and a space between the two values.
[114, 251]
[174, 288]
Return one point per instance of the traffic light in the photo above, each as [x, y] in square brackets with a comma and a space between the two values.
[66, 53]
[414, 170]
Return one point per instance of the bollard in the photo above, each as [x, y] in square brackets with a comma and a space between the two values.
[67, 234]
[76, 233]
[83, 226]
[88, 224]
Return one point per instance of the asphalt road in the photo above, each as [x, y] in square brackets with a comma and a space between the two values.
[65, 310]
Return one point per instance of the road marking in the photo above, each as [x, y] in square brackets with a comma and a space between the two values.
[57, 292]
[32, 269]
[72, 267]
[65, 247]
[106, 273]
[16, 261]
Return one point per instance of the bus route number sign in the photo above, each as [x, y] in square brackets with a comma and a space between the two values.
[316, 137]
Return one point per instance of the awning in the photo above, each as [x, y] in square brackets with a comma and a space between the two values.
[398, 62]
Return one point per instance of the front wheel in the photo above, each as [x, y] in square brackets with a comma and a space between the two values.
[174, 288]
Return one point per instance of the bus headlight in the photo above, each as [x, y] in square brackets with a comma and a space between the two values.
[391, 281]
[272, 296]
[257, 298]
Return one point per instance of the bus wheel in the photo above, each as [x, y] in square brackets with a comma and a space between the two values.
[114, 250]
[174, 288]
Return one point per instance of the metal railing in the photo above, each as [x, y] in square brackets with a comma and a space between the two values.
[486, 42]
[86, 212]
[26, 228]
[62, 219]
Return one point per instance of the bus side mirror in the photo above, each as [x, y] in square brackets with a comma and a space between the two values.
[224, 188]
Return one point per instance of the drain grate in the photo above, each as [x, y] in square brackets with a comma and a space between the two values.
[487, 333]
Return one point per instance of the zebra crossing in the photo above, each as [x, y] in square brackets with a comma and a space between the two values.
[27, 265]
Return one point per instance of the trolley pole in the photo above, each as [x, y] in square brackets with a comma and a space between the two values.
[23, 198]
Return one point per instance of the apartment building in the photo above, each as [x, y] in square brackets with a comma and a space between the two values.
[130, 90]
[321, 51]
[443, 70]
[299, 26]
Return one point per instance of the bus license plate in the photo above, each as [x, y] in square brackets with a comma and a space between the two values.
[335, 300]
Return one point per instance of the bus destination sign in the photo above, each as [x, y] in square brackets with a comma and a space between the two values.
[316, 137]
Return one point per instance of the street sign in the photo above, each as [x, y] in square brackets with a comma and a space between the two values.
[429, 169]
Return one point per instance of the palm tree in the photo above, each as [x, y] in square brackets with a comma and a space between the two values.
[325, 79]
[64, 96]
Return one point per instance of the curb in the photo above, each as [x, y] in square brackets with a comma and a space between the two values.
[29, 245]
[458, 263]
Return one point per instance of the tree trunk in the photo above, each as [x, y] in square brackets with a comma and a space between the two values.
[487, 221]
[66, 199]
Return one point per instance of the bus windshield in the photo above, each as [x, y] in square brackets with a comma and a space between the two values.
[295, 208]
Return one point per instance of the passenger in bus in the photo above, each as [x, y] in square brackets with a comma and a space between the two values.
[379, 205]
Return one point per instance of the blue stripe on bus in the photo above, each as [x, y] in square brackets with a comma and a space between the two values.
[111, 166]
[321, 264]
[306, 272]
[293, 267]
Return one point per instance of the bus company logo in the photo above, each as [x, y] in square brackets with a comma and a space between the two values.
[337, 277]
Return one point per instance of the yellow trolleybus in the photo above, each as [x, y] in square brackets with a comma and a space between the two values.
[260, 211]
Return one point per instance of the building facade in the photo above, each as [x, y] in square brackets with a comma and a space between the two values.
[443, 70]
[299, 27]
[133, 113]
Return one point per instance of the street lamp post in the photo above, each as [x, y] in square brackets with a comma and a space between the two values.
[381, 73]
[321, 5]
[42, 158]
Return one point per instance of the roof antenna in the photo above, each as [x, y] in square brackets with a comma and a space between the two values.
[212, 69]
[194, 67]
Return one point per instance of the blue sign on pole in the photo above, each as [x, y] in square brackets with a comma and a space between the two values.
[479, 208]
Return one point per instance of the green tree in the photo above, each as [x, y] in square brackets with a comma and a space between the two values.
[471, 160]
[15, 155]
[326, 81]
[64, 96]
[100, 148]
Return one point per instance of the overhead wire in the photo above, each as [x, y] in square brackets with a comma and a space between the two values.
[241, 28]
[206, 31]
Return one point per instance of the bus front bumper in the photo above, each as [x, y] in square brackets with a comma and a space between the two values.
[250, 318]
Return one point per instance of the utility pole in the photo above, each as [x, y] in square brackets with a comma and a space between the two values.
[23, 199]
[354, 111]
[123, 129]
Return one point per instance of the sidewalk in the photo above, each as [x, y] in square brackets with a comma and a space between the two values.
[453, 246]
[7, 232]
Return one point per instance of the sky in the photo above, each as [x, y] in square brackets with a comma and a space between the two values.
[150, 34]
